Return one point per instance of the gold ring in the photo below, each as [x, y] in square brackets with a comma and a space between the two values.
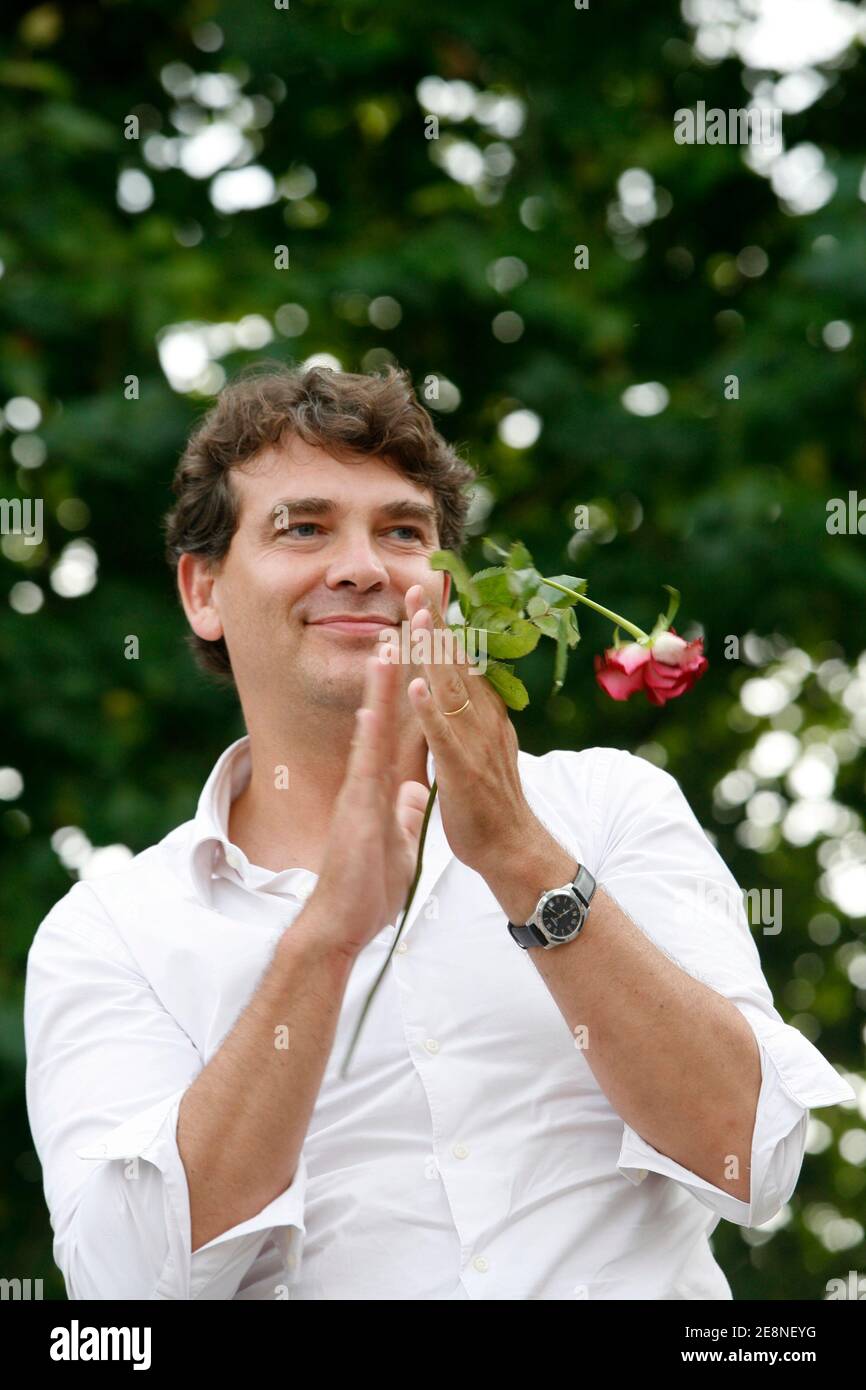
[449, 712]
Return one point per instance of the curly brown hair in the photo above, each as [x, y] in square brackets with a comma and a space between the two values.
[347, 413]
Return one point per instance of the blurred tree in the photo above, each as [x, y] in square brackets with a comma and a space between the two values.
[667, 335]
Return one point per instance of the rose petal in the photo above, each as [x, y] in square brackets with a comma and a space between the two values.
[669, 648]
[617, 683]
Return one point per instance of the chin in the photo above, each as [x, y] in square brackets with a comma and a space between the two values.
[339, 685]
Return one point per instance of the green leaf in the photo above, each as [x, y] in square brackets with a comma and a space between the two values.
[519, 557]
[524, 584]
[572, 629]
[664, 620]
[495, 617]
[536, 607]
[560, 600]
[520, 639]
[548, 623]
[474, 641]
[509, 686]
[457, 568]
[674, 602]
[493, 550]
[492, 585]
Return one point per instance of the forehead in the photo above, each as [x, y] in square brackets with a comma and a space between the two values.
[291, 468]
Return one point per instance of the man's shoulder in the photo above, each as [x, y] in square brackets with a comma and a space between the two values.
[589, 767]
[601, 761]
[96, 901]
[598, 788]
[566, 788]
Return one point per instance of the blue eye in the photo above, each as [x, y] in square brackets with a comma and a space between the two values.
[296, 526]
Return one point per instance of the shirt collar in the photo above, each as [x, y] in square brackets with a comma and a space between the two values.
[210, 838]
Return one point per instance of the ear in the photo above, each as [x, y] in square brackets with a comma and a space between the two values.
[446, 593]
[195, 584]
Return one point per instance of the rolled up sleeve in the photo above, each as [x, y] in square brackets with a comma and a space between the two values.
[107, 1068]
[794, 1078]
[656, 861]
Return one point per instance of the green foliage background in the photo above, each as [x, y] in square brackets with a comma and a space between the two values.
[724, 499]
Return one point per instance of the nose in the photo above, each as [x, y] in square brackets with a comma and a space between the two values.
[354, 561]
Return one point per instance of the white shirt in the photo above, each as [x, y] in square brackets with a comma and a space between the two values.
[470, 1152]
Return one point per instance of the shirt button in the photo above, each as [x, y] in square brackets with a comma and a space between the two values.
[233, 858]
[460, 1151]
[480, 1264]
[401, 947]
[432, 1045]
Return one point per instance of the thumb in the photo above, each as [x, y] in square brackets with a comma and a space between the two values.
[412, 799]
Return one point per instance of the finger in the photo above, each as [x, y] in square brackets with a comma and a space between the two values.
[365, 749]
[417, 598]
[438, 731]
[457, 646]
[385, 696]
[444, 672]
[362, 767]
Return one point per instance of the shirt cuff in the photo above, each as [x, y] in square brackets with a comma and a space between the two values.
[215, 1270]
[794, 1077]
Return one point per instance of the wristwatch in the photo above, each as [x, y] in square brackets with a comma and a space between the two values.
[559, 915]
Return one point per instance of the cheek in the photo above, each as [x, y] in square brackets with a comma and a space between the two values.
[417, 571]
[261, 594]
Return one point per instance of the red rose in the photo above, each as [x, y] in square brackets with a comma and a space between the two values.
[620, 672]
[663, 671]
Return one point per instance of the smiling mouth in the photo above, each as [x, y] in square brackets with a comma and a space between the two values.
[354, 627]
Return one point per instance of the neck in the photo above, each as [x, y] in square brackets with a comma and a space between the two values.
[282, 817]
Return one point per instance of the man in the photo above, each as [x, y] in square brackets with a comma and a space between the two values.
[562, 1110]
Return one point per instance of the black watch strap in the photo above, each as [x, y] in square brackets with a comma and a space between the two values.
[527, 936]
[530, 935]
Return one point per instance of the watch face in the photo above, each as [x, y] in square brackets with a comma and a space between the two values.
[561, 916]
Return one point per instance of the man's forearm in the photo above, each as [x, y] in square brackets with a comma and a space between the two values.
[677, 1061]
[242, 1123]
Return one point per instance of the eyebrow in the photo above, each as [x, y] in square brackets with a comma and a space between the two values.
[400, 510]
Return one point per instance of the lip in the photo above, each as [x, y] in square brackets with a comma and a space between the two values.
[360, 626]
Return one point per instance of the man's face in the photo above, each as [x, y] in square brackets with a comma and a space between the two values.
[318, 566]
